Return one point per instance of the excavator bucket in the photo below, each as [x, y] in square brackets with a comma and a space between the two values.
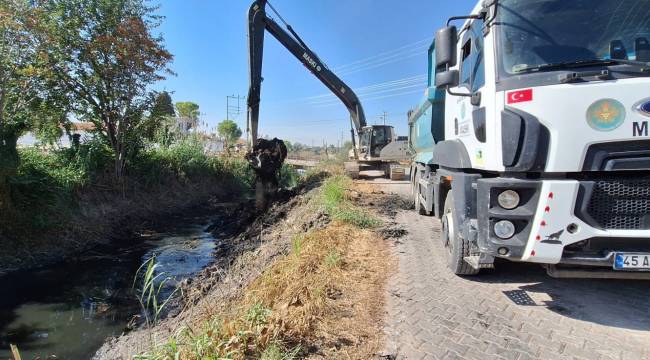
[266, 158]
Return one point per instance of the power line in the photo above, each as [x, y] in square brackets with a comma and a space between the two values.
[381, 62]
[374, 93]
[372, 98]
[369, 89]
[397, 82]
[418, 43]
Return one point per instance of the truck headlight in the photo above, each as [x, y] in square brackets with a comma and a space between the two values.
[504, 229]
[508, 199]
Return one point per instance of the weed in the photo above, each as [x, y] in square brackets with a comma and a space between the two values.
[357, 217]
[152, 285]
[296, 244]
[275, 352]
[288, 176]
[333, 259]
[339, 208]
[333, 191]
[257, 315]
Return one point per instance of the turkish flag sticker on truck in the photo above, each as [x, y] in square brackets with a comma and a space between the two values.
[520, 96]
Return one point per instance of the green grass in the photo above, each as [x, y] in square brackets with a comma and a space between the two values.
[45, 192]
[275, 352]
[336, 205]
[333, 259]
[187, 162]
[288, 176]
[297, 244]
[243, 338]
[151, 286]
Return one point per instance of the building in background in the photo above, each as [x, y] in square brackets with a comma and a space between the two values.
[82, 131]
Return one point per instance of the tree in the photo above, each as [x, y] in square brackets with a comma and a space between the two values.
[104, 52]
[188, 111]
[289, 146]
[229, 131]
[163, 106]
[28, 97]
[161, 111]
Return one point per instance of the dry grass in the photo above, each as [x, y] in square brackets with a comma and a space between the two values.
[330, 295]
[322, 299]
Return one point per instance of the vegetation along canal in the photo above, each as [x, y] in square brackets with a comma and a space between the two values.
[69, 310]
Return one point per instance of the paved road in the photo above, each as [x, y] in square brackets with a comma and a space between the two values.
[513, 312]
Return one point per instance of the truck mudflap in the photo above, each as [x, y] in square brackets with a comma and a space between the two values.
[555, 226]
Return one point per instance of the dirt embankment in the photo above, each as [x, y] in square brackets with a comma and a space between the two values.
[294, 283]
[104, 215]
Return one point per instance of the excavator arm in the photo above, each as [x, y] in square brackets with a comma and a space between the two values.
[258, 23]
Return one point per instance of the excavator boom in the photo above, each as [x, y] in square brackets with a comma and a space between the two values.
[258, 23]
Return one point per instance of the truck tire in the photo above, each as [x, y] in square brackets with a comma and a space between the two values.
[456, 247]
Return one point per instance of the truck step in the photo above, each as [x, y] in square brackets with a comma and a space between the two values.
[477, 263]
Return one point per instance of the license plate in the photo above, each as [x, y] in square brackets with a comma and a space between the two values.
[631, 261]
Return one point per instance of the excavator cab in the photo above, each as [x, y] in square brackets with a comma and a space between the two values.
[373, 139]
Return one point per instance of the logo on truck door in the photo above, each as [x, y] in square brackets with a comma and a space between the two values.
[605, 115]
[643, 107]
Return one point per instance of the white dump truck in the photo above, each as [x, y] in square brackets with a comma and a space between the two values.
[532, 140]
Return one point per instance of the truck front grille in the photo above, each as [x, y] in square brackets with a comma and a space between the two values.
[620, 204]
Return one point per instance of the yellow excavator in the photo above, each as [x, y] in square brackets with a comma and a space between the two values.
[378, 147]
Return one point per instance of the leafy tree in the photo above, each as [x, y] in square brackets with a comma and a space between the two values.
[229, 131]
[161, 111]
[163, 105]
[298, 146]
[289, 146]
[106, 54]
[189, 111]
[28, 98]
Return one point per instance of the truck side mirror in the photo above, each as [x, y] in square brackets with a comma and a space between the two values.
[446, 41]
[447, 79]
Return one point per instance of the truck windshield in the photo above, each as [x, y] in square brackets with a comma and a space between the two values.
[534, 33]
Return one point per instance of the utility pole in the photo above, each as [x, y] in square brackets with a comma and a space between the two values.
[384, 117]
[233, 107]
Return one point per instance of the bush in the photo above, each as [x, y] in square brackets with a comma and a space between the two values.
[45, 186]
[288, 176]
[187, 162]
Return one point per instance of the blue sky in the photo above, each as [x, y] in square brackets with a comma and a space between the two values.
[376, 46]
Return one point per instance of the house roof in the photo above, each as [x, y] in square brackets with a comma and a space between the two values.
[82, 126]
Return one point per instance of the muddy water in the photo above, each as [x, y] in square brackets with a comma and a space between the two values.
[70, 309]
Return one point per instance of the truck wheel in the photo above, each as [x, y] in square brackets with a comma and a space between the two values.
[456, 247]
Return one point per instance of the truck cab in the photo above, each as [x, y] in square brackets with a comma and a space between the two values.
[532, 139]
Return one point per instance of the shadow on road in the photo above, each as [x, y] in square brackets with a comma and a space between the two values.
[619, 303]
